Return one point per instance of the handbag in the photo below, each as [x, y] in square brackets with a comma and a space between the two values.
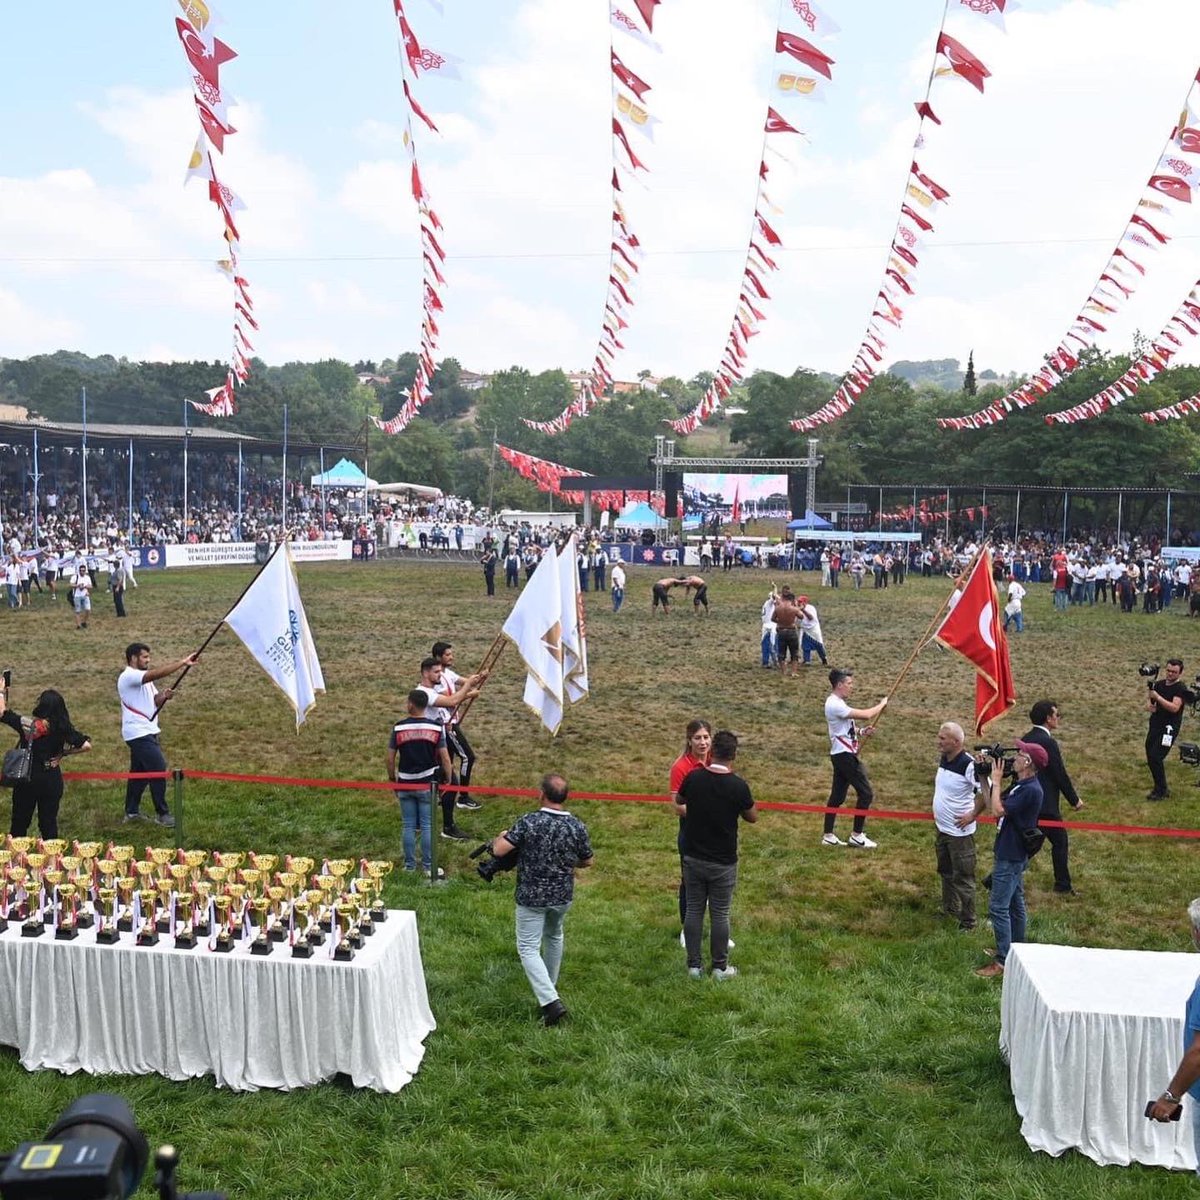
[18, 761]
[1033, 839]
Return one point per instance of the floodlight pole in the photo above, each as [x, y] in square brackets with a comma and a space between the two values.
[86, 541]
[36, 477]
[186, 435]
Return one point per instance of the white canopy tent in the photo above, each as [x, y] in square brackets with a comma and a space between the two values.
[420, 490]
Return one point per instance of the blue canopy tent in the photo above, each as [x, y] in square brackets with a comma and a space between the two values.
[344, 474]
[640, 516]
[810, 520]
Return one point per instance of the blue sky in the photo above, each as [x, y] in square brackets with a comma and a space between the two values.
[106, 251]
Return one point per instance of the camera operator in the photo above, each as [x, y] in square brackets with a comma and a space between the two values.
[1055, 783]
[1187, 1074]
[1164, 701]
[552, 843]
[1018, 811]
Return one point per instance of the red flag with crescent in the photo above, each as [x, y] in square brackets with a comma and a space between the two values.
[805, 52]
[962, 61]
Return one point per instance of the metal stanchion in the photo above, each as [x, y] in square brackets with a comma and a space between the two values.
[433, 832]
[177, 776]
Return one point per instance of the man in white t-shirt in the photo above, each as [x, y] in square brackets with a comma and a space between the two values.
[848, 771]
[439, 707]
[140, 704]
[810, 632]
[617, 590]
[1012, 610]
[954, 791]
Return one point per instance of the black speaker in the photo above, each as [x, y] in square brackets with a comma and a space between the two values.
[672, 481]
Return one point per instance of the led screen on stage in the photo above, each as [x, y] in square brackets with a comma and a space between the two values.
[757, 495]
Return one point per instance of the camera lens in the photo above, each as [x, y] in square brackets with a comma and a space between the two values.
[103, 1117]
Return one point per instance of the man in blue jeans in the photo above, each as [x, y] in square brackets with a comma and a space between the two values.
[711, 801]
[1187, 1074]
[1018, 811]
[417, 751]
[552, 843]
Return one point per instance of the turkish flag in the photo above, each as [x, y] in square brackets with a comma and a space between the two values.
[206, 59]
[962, 61]
[802, 51]
[975, 631]
[1189, 139]
[776, 124]
[736, 515]
[635, 83]
[1173, 186]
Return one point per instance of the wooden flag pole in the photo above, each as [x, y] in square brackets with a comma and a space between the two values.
[490, 659]
[924, 640]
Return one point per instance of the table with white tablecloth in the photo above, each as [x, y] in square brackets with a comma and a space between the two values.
[1090, 1036]
[250, 1021]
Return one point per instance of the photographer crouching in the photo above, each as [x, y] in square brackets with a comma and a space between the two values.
[1017, 836]
[1165, 699]
[551, 843]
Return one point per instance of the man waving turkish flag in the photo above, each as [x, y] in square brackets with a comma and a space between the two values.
[974, 630]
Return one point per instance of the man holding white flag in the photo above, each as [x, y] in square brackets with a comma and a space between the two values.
[270, 620]
[535, 627]
[574, 629]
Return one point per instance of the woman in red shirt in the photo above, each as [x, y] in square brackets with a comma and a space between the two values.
[695, 754]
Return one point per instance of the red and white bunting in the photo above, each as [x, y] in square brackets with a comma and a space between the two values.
[206, 54]
[923, 197]
[417, 60]
[1174, 412]
[752, 291]
[1172, 179]
[630, 111]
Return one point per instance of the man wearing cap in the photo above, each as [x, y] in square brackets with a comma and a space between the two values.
[1018, 811]
[810, 632]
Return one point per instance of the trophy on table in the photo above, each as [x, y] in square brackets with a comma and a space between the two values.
[345, 947]
[315, 935]
[202, 890]
[261, 943]
[232, 861]
[18, 879]
[67, 929]
[378, 870]
[147, 873]
[194, 860]
[180, 872]
[121, 855]
[265, 863]
[360, 897]
[53, 847]
[36, 902]
[148, 933]
[106, 928]
[237, 894]
[72, 864]
[328, 885]
[161, 857]
[301, 947]
[299, 865]
[185, 932]
[277, 896]
[21, 845]
[224, 942]
[125, 888]
[165, 889]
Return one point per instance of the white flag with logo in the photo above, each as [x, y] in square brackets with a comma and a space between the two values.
[574, 628]
[535, 627]
[270, 620]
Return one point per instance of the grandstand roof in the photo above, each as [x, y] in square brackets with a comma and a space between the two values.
[199, 437]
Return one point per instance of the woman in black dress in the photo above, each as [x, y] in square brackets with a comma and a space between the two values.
[52, 737]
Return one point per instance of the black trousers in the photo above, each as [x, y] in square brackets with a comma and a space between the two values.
[459, 748]
[1058, 850]
[1156, 756]
[42, 794]
[848, 772]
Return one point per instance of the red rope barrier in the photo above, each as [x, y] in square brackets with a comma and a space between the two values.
[880, 814]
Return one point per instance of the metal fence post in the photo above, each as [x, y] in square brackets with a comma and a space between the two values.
[177, 776]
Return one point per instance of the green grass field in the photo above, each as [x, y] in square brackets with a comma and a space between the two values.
[856, 1053]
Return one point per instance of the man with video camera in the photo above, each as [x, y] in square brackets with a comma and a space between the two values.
[551, 844]
[1016, 834]
[1165, 700]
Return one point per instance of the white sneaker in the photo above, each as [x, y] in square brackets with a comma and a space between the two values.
[695, 973]
[860, 841]
[724, 972]
[832, 839]
[682, 940]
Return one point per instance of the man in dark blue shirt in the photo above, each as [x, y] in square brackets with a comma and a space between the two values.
[552, 843]
[1018, 811]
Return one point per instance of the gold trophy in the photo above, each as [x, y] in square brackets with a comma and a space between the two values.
[185, 933]
[125, 888]
[121, 855]
[21, 845]
[179, 873]
[379, 869]
[316, 903]
[329, 884]
[106, 930]
[237, 893]
[147, 873]
[300, 909]
[36, 864]
[148, 934]
[300, 865]
[202, 890]
[265, 863]
[277, 896]
[164, 888]
[161, 857]
[232, 861]
[224, 942]
[360, 897]
[218, 875]
[67, 929]
[345, 948]
[261, 943]
[54, 846]
[18, 878]
[194, 860]
[253, 879]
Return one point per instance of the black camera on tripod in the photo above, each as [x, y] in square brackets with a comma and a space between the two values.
[94, 1151]
[991, 755]
[494, 863]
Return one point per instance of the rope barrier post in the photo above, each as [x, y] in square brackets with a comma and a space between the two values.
[177, 776]
[433, 833]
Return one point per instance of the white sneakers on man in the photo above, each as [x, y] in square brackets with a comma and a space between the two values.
[860, 841]
[832, 839]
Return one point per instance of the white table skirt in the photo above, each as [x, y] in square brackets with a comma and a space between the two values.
[1090, 1036]
[250, 1021]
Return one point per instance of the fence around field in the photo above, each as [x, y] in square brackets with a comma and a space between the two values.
[180, 775]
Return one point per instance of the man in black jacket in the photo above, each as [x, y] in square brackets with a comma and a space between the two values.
[1055, 783]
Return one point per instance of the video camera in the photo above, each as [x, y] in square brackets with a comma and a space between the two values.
[1149, 672]
[995, 754]
[94, 1151]
[493, 864]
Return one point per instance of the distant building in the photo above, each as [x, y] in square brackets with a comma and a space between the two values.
[472, 381]
[376, 381]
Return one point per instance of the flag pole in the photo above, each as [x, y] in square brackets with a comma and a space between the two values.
[217, 628]
[490, 659]
[924, 640]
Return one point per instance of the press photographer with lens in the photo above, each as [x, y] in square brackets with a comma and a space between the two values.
[1165, 700]
[1017, 836]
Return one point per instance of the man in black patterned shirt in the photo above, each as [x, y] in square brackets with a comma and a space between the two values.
[551, 844]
